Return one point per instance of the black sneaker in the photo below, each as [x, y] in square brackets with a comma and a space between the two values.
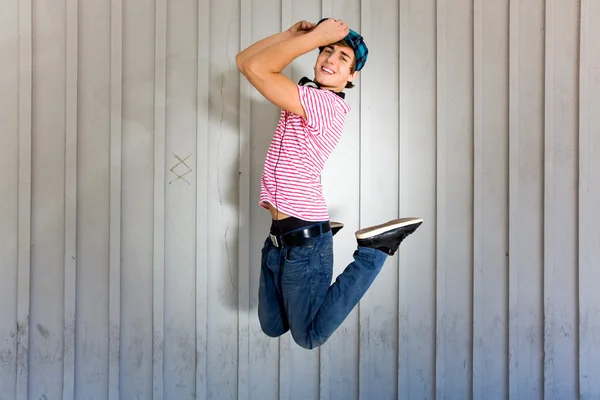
[335, 227]
[387, 237]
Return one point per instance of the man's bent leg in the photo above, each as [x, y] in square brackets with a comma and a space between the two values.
[345, 293]
[271, 312]
[307, 273]
[375, 244]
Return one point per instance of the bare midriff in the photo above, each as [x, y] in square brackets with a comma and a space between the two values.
[276, 214]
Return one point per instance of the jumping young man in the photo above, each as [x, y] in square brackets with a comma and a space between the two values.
[295, 291]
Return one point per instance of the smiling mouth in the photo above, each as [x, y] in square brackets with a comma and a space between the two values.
[327, 71]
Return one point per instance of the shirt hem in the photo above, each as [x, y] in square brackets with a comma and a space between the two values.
[284, 209]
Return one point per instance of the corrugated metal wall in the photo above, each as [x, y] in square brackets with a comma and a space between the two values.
[131, 155]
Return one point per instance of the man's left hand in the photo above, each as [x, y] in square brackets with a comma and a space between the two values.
[301, 27]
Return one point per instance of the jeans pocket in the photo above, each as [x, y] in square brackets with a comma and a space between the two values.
[298, 254]
[297, 266]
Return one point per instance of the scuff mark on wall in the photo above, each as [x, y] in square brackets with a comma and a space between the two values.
[7, 358]
[229, 259]
[181, 163]
[43, 331]
[114, 342]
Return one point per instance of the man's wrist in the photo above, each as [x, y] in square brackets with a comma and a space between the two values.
[287, 35]
[316, 39]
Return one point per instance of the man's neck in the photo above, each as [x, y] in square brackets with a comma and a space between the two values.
[338, 91]
[333, 89]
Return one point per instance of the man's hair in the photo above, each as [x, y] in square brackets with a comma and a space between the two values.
[343, 43]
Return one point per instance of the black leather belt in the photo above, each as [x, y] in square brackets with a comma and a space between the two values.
[300, 238]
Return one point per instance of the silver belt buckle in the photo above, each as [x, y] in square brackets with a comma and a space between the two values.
[274, 240]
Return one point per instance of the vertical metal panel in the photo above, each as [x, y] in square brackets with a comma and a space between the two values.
[455, 162]
[70, 171]
[417, 180]
[180, 200]
[379, 197]
[514, 18]
[366, 92]
[116, 115]
[9, 201]
[158, 293]
[549, 226]
[223, 198]
[490, 169]
[137, 201]
[93, 201]
[560, 199]
[441, 197]
[589, 203]
[478, 298]
[264, 374]
[526, 199]
[24, 197]
[48, 185]
[202, 209]
[245, 205]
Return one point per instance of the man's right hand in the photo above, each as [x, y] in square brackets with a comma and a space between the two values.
[331, 31]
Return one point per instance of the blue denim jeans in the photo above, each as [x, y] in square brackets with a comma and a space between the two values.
[296, 294]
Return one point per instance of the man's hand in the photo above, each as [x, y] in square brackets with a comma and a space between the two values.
[301, 27]
[331, 31]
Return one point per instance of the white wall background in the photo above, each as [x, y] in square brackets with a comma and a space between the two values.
[130, 233]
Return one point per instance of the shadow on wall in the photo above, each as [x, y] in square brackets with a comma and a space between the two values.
[224, 132]
[224, 112]
[264, 118]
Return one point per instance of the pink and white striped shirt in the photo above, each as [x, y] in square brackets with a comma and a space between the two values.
[298, 152]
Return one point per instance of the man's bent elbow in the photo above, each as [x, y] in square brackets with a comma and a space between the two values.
[243, 63]
[250, 67]
[253, 71]
[240, 62]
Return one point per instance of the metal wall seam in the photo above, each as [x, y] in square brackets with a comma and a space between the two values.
[70, 257]
[441, 200]
[160, 66]
[244, 214]
[24, 195]
[116, 112]
[202, 248]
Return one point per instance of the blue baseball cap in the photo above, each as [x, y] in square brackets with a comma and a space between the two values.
[357, 42]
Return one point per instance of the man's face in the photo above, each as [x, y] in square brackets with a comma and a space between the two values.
[333, 68]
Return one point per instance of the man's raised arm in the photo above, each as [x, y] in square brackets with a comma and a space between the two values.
[263, 69]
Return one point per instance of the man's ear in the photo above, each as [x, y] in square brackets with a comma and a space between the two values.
[353, 76]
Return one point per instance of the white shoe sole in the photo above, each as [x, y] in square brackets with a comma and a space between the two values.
[388, 226]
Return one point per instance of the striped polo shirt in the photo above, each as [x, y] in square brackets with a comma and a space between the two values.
[298, 152]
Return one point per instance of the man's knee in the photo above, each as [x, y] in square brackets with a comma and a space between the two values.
[307, 341]
[271, 329]
[273, 333]
[306, 344]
